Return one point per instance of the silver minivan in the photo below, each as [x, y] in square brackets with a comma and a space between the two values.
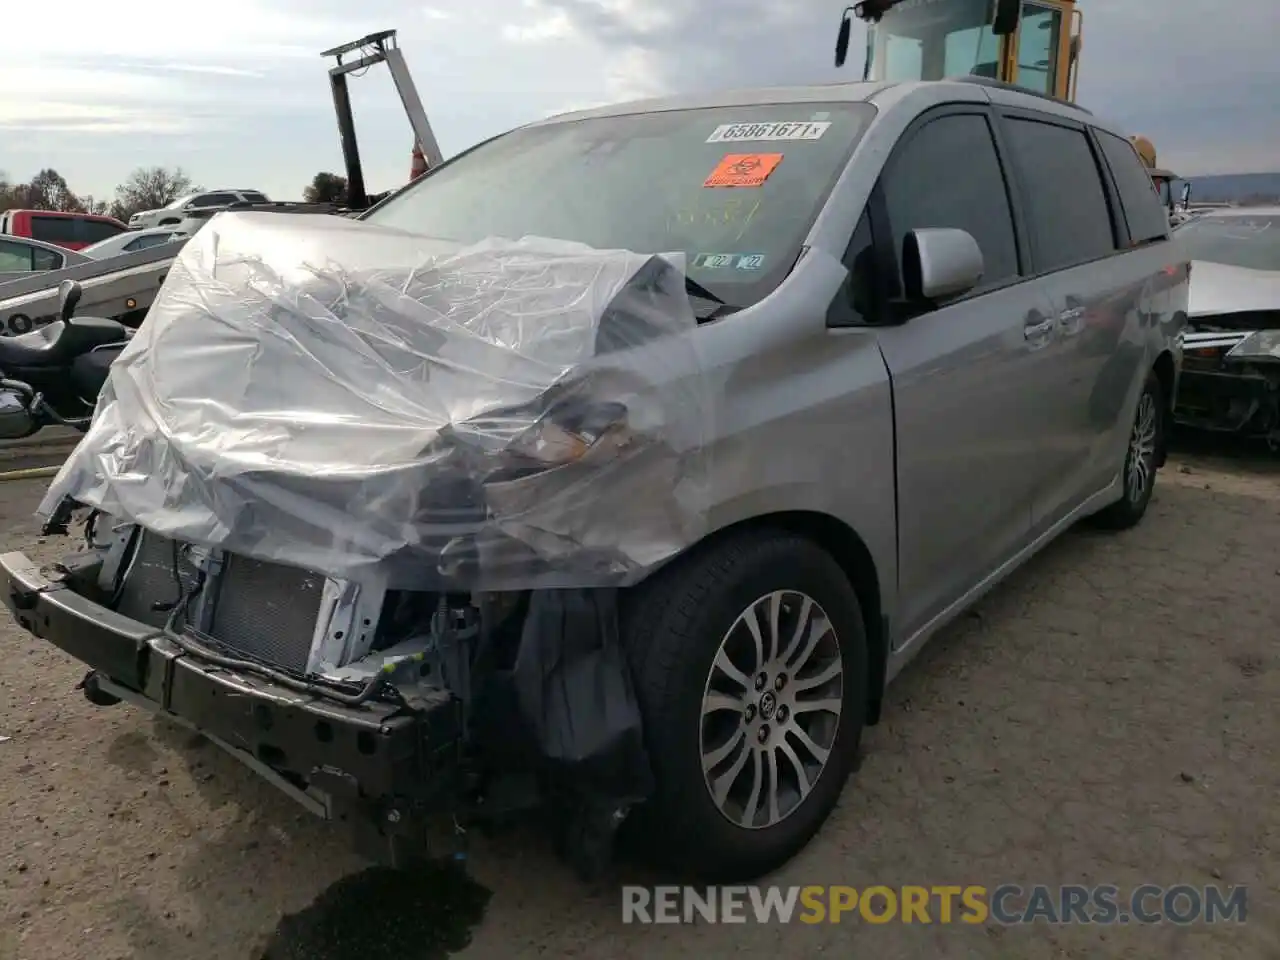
[942, 321]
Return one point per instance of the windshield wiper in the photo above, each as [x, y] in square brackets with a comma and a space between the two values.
[719, 306]
[695, 289]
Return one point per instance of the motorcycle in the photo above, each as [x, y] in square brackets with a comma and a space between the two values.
[53, 375]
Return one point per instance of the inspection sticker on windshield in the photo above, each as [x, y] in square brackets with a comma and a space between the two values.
[739, 261]
[714, 261]
[790, 130]
[743, 170]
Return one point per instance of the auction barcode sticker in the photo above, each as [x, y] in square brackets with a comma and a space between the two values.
[790, 130]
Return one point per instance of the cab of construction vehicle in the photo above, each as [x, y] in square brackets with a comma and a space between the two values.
[1032, 43]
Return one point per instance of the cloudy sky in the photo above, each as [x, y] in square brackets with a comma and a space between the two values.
[235, 92]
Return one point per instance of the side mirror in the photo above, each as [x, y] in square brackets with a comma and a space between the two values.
[842, 38]
[940, 262]
[68, 299]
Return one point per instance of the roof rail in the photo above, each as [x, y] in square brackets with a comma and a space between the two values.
[1014, 88]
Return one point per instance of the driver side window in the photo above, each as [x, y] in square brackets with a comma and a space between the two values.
[948, 174]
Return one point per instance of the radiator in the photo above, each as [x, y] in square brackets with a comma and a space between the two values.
[267, 611]
[264, 611]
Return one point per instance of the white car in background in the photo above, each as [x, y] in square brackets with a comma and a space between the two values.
[1231, 350]
[204, 203]
[132, 241]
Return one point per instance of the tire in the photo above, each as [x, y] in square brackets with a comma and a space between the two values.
[673, 627]
[1146, 438]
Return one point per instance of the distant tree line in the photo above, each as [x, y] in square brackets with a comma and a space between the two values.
[147, 188]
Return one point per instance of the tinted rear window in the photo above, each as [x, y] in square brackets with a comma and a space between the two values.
[151, 240]
[1142, 208]
[71, 229]
[254, 197]
[736, 189]
[1070, 216]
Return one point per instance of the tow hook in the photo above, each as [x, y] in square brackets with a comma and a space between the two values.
[93, 691]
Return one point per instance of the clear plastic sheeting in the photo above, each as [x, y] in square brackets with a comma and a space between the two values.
[387, 407]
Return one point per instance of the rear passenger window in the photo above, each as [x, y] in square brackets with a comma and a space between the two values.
[46, 259]
[1143, 210]
[1070, 219]
[948, 175]
[152, 240]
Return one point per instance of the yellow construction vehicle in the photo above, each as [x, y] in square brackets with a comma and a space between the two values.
[1033, 44]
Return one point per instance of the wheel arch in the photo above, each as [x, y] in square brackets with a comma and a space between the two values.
[850, 551]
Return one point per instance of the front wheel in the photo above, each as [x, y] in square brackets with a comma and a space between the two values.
[750, 661]
[1141, 460]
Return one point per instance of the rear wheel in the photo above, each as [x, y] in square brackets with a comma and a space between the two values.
[1141, 462]
[750, 663]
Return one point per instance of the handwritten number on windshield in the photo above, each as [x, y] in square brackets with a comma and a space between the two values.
[730, 213]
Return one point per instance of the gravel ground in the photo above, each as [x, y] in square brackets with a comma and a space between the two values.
[1105, 717]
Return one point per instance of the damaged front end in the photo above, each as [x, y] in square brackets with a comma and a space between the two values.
[1231, 376]
[449, 705]
[363, 516]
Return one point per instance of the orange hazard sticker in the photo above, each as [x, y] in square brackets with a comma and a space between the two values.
[743, 170]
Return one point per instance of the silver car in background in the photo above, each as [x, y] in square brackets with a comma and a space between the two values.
[20, 257]
[132, 241]
[1232, 349]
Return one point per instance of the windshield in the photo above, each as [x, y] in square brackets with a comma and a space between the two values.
[933, 39]
[1241, 241]
[736, 189]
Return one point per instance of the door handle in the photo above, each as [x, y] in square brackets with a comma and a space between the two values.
[1038, 327]
[1071, 320]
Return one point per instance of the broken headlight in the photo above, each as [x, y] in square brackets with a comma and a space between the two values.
[517, 442]
[1260, 345]
[569, 431]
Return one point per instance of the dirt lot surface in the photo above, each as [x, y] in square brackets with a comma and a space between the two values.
[1107, 716]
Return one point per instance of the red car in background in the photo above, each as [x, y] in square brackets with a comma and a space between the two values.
[71, 230]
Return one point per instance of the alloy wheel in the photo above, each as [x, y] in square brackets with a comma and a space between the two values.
[1142, 450]
[770, 709]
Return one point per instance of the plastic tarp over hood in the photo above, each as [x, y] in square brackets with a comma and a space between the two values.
[382, 406]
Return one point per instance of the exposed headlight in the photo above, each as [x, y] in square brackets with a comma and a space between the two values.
[518, 441]
[567, 433]
[1260, 345]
